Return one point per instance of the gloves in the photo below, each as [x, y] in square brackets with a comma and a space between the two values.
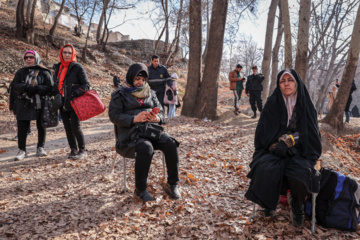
[31, 90]
[280, 149]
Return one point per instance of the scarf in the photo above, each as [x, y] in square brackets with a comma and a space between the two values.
[138, 92]
[64, 68]
[290, 101]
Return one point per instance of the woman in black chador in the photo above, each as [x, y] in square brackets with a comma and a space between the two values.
[287, 146]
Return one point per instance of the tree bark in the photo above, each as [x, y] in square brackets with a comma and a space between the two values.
[20, 21]
[287, 35]
[101, 21]
[303, 39]
[194, 65]
[265, 66]
[30, 33]
[275, 53]
[335, 116]
[207, 29]
[206, 101]
[88, 33]
[56, 20]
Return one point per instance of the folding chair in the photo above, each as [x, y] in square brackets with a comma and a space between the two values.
[125, 188]
[315, 189]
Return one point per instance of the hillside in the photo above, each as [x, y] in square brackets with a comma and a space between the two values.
[56, 198]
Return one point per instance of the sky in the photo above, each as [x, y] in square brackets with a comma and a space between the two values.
[143, 28]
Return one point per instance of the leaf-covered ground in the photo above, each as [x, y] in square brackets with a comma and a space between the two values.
[56, 198]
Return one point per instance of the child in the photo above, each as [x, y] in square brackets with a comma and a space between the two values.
[171, 97]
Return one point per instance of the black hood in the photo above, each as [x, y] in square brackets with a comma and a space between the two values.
[273, 121]
[133, 72]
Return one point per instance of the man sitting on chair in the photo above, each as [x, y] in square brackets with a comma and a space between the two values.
[130, 109]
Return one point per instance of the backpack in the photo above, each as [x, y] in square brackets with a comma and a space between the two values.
[337, 204]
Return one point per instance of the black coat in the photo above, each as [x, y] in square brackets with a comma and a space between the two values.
[22, 108]
[254, 83]
[124, 107]
[76, 83]
[267, 170]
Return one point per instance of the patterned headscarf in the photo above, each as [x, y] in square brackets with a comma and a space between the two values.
[290, 101]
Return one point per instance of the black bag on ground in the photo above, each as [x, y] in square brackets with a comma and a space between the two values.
[50, 116]
[337, 204]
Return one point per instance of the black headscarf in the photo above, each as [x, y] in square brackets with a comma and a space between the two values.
[134, 70]
[273, 121]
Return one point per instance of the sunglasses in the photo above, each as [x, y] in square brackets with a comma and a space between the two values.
[29, 57]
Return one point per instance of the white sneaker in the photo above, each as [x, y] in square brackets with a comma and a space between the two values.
[20, 156]
[40, 152]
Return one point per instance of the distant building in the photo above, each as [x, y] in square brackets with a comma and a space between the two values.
[113, 36]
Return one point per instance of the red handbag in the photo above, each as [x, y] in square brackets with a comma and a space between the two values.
[88, 105]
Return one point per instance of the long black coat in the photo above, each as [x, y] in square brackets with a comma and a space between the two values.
[22, 109]
[75, 83]
[268, 172]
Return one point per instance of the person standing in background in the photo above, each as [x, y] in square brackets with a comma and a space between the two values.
[236, 84]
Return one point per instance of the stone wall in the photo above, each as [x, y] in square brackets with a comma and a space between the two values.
[4, 95]
[145, 46]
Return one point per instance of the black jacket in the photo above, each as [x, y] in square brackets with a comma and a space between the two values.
[123, 108]
[76, 83]
[23, 92]
[254, 82]
[157, 76]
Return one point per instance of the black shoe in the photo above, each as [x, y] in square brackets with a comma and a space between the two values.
[297, 216]
[254, 116]
[173, 191]
[81, 154]
[73, 153]
[144, 195]
[268, 212]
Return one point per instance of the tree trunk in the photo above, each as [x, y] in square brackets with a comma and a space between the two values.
[56, 20]
[30, 34]
[275, 53]
[335, 116]
[166, 11]
[206, 101]
[88, 33]
[287, 35]
[101, 21]
[265, 66]
[303, 39]
[194, 65]
[179, 28]
[207, 29]
[20, 22]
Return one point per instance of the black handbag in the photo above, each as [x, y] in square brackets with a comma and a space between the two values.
[146, 130]
[50, 116]
[57, 102]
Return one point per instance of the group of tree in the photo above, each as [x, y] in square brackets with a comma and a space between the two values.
[321, 36]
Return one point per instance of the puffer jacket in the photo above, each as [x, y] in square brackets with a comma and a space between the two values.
[22, 107]
[254, 82]
[76, 83]
[123, 108]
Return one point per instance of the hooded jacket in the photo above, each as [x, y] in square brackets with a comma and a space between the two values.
[124, 107]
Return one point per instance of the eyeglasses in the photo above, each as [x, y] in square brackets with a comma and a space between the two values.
[67, 53]
[29, 57]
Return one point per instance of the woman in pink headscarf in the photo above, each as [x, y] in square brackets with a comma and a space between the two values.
[31, 84]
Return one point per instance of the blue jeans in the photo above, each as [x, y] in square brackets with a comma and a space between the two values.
[347, 116]
[172, 110]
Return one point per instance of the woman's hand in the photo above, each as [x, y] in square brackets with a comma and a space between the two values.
[152, 117]
[141, 117]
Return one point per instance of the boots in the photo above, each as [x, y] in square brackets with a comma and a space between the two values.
[236, 111]
[254, 116]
